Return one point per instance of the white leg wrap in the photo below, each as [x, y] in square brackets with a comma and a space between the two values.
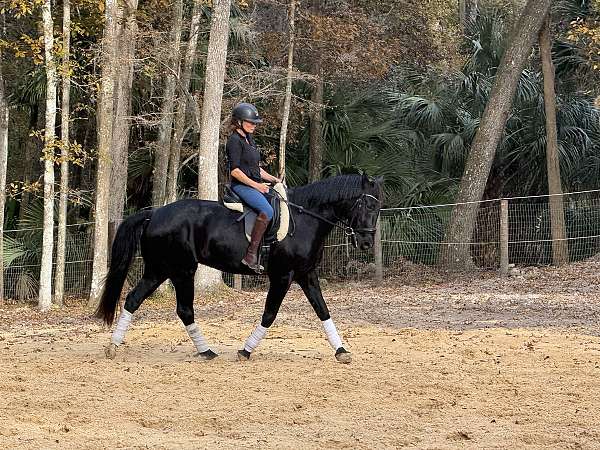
[254, 339]
[197, 337]
[332, 335]
[119, 334]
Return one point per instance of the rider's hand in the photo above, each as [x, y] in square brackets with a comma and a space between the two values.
[262, 187]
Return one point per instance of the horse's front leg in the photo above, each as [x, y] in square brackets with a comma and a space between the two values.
[312, 289]
[278, 286]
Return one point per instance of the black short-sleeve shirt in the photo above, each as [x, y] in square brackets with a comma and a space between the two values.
[244, 156]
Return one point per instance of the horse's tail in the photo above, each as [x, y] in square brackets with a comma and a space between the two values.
[124, 247]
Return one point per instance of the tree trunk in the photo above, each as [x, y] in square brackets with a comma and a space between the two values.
[127, 33]
[315, 158]
[467, 12]
[288, 89]
[517, 6]
[105, 126]
[59, 277]
[182, 102]
[45, 292]
[560, 249]
[31, 155]
[456, 254]
[3, 163]
[208, 279]
[163, 146]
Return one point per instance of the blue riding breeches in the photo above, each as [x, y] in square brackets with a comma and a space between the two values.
[254, 199]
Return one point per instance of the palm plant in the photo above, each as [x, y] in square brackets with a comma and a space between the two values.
[448, 109]
[362, 134]
[22, 254]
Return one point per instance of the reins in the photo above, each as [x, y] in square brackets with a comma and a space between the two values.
[346, 227]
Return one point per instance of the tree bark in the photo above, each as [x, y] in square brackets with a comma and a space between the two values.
[517, 7]
[208, 279]
[560, 249]
[59, 278]
[456, 254]
[3, 163]
[288, 88]
[182, 102]
[467, 12]
[45, 291]
[315, 157]
[315, 154]
[31, 168]
[105, 126]
[163, 146]
[126, 32]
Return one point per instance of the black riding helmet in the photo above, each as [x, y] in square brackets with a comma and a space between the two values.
[247, 112]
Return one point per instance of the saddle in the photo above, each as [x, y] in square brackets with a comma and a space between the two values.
[279, 225]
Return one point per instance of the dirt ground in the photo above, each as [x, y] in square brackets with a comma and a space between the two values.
[438, 362]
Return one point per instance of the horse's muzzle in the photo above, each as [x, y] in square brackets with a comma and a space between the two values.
[366, 245]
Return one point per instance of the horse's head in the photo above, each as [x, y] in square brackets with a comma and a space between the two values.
[365, 211]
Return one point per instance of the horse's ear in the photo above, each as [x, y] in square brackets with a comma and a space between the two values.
[373, 181]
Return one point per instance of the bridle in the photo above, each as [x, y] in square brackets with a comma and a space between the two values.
[348, 229]
[360, 202]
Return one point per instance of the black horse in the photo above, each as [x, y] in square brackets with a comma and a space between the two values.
[177, 237]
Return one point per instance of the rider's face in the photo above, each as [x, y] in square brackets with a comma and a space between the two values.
[248, 127]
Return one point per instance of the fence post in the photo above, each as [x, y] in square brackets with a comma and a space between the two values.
[237, 282]
[504, 237]
[378, 250]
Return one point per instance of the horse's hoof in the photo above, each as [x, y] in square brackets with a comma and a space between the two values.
[243, 355]
[207, 355]
[343, 356]
[110, 351]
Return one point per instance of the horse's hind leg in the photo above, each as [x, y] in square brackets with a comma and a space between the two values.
[278, 287]
[144, 289]
[184, 290]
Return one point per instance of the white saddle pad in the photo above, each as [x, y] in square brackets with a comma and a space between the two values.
[284, 213]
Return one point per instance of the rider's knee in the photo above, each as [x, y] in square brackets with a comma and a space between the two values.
[268, 212]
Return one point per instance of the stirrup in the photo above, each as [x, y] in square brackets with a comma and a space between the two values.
[256, 266]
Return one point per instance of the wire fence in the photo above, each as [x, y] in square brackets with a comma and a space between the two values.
[414, 235]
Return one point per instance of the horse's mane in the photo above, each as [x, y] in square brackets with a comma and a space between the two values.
[328, 190]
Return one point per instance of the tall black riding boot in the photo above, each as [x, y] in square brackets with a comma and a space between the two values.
[251, 258]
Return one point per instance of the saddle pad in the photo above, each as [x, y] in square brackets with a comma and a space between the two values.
[234, 206]
[284, 215]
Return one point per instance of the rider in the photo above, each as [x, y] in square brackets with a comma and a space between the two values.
[247, 177]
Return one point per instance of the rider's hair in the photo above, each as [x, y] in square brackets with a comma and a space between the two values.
[235, 124]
